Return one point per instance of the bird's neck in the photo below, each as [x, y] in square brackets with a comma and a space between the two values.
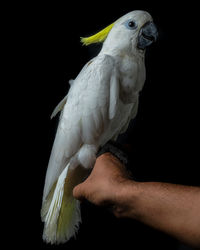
[115, 51]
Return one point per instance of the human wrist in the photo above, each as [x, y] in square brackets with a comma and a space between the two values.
[126, 199]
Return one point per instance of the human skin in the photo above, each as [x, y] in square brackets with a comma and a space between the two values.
[171, 208]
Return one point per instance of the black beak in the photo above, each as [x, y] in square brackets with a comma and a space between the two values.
[147, 35]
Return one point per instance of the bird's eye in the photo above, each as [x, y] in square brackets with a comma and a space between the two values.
[130, 24]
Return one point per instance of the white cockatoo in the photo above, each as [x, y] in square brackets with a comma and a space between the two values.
[98, 107]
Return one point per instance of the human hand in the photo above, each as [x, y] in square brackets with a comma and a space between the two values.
[105, 183]
[171, 208]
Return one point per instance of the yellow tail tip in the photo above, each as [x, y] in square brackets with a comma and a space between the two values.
[98, 37]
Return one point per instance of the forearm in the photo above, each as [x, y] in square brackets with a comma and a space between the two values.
[174, 209]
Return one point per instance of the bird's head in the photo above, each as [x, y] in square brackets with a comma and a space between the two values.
[132, 32]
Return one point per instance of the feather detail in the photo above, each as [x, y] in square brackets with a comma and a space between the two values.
[59, 107]
[61, 104]
[47, 202]
[70, 215]
[50, 228]
[61, 211]
[98, 37]
[114, 94]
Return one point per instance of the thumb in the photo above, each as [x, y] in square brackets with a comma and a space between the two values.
[78, 192]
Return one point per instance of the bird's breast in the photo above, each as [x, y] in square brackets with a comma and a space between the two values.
[132, 76]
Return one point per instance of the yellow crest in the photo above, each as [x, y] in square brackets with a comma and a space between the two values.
[98, 37]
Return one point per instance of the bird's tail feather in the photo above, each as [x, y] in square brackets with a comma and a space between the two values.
[60, 211]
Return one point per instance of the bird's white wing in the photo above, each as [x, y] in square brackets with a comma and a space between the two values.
[91, 103]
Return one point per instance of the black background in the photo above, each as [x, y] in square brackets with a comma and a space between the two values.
[45, 54]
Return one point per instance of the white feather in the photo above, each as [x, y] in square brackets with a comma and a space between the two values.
[51, 218]
[59, 107]
[114, 94]
[87, 155]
